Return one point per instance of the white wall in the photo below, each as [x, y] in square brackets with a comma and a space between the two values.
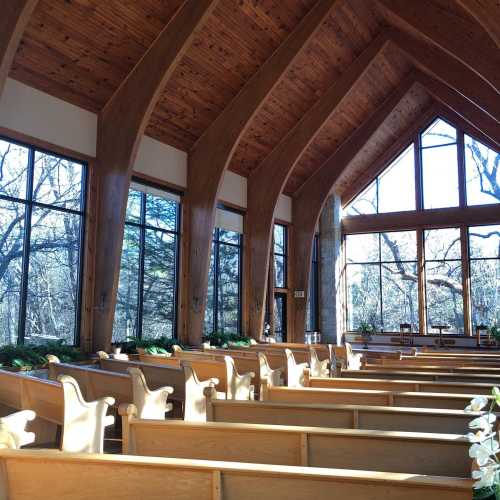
[37, 114]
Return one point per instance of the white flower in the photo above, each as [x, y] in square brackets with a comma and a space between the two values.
[486, 475]
[482, 452]
[478, 436]
[484, 423]
[477, 404]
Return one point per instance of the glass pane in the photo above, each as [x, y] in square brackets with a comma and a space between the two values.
[210, 308]
[439, 133]
[13, 169]
[53, 276]
[11, 253]
[229, 237]
[134, 201]
[365, 203]
[363, 294]
[398, 246]
[57, 181]
[484, 242]
[125, 324]
[312, 300]
[399, 296]
[482, 173]
[161, 213]
[396, 189]
[279, 239]
[485, 292]
[158, 312]
[444, 295]
[440, 177]
[229, 289]
[442, 244]
[362, 247]
[280, 317]
[279, 271]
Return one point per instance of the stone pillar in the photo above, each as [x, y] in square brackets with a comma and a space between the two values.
[330, 272]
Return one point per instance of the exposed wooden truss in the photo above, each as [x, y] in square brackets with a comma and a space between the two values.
[487, 14]
[121, 127]
[264, 189]
[13, 21]
[211, 155]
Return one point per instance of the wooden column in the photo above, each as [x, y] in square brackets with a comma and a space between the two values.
[448, 70]
[310, 199]
[14, 18]
[460, 39]
[265, 188]
[212, 154]
[487, 14]
[120, 128]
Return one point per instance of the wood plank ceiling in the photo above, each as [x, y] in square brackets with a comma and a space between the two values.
[80, 51]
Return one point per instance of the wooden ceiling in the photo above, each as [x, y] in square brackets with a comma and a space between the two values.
[81, 50]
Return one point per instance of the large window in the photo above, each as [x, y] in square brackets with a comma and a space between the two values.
[443, 279]
[439, 166]
[280, 256]
[382, 280]
[312, 313]
[391, 191]
[147, 292]
[223, 310]
[484, 251]
[42, 205]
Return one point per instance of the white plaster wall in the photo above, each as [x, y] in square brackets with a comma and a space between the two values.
[37, 114]
[31, 112]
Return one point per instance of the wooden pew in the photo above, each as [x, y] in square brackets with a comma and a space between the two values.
[338, 416]
[100, 477]
[472, 369]
[440, 454]
[308, 395]
[437, 361]
[441, 376]
[400, 385]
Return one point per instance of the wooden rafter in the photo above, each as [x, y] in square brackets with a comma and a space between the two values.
[453, 100]
[212, 154]
[265, 188]
[311, 197]
[452, 33]
[13, 20]
[487, 14]
[448, 70]
[120, 129]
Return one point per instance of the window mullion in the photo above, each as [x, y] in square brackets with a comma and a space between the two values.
[142, 249]
[466, 280]
[422, 309]
[26, 249]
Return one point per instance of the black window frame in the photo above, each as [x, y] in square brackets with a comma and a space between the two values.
[142, 226]
[29, 204]
[313, 292]
[216, 244]
[283, 255]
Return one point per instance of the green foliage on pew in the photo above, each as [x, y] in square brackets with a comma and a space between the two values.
[35, 355]
[220, 339]
[161, 345]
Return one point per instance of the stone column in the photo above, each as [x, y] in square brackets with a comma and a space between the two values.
[330, 272]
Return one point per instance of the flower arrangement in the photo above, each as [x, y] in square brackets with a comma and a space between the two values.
[485, 447]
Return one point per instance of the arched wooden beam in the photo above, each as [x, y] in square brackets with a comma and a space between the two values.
[452, 33]
[487, 14]
[470, 113]
[309, 200]
[13, 21]
[448, 70]
[120, 128]
[212, 154]
[267, 182]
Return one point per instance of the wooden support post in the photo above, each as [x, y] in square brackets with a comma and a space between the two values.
[311, 197]
[13, 21]
[120, 128]
[212, 154]
[264, 190]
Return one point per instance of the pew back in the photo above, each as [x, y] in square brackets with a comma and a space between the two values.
[306, 446]
[67, 476]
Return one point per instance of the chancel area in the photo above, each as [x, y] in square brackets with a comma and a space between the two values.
[249, 249]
